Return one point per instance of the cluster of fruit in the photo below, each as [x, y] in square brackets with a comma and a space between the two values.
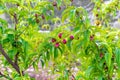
[63, 41]
[55, 4]
[36, 17]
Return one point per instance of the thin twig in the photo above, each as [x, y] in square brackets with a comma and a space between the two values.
[7, 77]
[16, 38]
[16, 59]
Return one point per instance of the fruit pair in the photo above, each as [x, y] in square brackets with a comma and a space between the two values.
[60, 36]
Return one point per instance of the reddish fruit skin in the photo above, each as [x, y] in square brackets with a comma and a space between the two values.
[91, 37]
[71, 37]
[101, 55]
[96, 15]
[36, 15]
[53, 40]
[37, 21]
[71, 0]
[57, 45]
[43, 17]
[64, 41]
[54, 3]
[60, 35]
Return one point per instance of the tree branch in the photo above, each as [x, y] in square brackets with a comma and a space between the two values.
[9, 60]
[16, 38]
[16, 59]
[5, 76]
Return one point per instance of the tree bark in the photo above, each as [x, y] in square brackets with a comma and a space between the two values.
[9, 60]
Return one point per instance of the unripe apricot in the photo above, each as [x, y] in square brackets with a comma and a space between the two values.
[71, 37]
[36, 15]
[96, 15]
[97, 22]
[57, 45]
[60, 35]
[91, 37]
[64, 41]
[101, 55]
[37, 20]
[43, 17]
[53, 40]
[54, 3]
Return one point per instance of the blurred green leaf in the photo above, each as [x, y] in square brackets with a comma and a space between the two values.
[108, 57]
[117, 56]
[55, 53]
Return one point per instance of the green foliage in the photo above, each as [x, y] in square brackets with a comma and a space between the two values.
[93, 49]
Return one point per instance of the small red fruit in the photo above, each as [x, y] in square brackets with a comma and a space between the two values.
[91, 37]
[64, 41]
[37, 21]
[71, 37]
[60, 35]
[43, 17]
[101, 55]
[57, 45]
[53, 40]
[36, 15]
[54, 3]
[96, 15]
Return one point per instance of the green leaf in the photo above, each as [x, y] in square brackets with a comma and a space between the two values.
[69, 44]
[66, 13]
[17, 78]
[48, 55]
[55, 53]
[117, 56]
[35, 65]
[12, 53]
[10, 37]
[100, 77]
[5, 41]
[1, 28]
[88, 71]
[3, 22]
[42, 62]
[72, 15]
[76, 29]
[66, 75]
[86, 37]
[51, 50]
[59, 2]
[1, 9]
[25, 46]
[108, 59]
[61, 50]
[9, 30]
[31, 21]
